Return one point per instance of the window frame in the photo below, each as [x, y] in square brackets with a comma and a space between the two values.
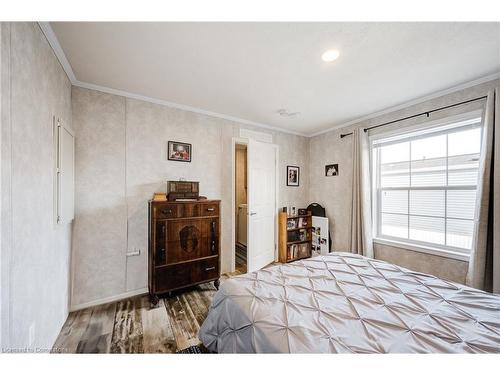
[376, 190]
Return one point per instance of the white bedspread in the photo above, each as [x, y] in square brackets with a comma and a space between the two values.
[348, 303]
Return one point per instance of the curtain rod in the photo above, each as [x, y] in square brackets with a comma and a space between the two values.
[427, 113]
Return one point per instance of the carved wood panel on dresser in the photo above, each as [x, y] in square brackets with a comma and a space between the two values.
[184, 245]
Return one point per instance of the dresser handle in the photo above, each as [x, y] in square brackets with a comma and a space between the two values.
[209, 268]
[213, 245]
[211, 209]
[162, 255]
[166, 212]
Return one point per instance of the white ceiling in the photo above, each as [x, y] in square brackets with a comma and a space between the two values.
[251, 70]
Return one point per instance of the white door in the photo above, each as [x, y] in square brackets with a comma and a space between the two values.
[261, 164]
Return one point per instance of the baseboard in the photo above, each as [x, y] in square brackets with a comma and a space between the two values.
[114, 298]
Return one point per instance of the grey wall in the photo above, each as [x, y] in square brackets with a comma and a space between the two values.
[35, 252]
[121, 161]
[335, 193]
[1, 191]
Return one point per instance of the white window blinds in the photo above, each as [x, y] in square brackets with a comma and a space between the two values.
[424, 185]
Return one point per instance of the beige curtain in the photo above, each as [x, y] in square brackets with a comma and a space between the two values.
[484, 264]
[361, 227]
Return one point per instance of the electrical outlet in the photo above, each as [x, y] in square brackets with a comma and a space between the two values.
[134, 253]
[31, 339]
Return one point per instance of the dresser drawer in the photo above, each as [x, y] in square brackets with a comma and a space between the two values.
[168, 211]
[190, 210]
[185, 274]
[209, 209]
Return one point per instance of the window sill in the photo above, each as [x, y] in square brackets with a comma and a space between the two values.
[423, 249]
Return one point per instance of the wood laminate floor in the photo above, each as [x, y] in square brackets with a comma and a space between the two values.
[133, 326]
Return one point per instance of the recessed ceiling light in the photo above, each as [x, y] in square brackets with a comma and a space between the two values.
[330, 55]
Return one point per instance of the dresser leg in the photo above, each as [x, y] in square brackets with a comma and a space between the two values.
[216, 284]
[153, 298]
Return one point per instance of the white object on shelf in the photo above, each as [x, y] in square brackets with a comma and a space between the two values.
[320, 235]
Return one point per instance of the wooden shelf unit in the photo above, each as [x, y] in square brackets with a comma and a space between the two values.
[286, 244]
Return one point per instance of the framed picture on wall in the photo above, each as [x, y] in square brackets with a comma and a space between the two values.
[331, 170]
[179, 151]
[292, 175]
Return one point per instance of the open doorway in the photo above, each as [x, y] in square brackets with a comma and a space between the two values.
[241, 209]
[255, 209]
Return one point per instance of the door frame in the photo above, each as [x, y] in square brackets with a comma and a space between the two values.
[244, 141]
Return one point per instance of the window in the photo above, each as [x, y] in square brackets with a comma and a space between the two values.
[424, 185]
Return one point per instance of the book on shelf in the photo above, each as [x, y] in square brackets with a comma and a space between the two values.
[294, 237]
[303, 250]
[298, 251]
[293, 252]
[298, 235]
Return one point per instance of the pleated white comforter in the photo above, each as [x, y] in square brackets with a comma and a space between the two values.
[345, 303]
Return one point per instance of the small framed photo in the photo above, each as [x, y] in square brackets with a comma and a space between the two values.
[331, 170]
[179, 151]
[292, 175]
[302, 211]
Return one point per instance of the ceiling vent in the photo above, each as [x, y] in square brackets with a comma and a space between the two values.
[285, 113]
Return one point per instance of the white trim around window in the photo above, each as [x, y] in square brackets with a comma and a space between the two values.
[445, 253]
[423, 198]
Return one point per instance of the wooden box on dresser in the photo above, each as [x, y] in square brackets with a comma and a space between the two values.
[184, 245]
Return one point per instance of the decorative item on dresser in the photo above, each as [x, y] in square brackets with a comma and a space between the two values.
[184, 245]
[187, 190]
[295, 236]
[160, 197]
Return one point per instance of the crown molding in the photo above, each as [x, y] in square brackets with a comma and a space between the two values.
[61, 56]
[183, 107]
[410, 103]
[56, 47]
[58, 51]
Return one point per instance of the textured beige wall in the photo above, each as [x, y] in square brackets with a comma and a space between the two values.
[35, 250]
[121, 161]
[445, 268]
[335, 192]
[100, 197]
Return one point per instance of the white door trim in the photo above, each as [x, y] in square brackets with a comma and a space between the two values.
[244, 141]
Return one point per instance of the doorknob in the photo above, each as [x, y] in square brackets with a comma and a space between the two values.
[252, 213]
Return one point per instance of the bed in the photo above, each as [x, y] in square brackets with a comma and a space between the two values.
[346, 303]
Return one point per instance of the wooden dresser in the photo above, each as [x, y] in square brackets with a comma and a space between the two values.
[184, 245]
